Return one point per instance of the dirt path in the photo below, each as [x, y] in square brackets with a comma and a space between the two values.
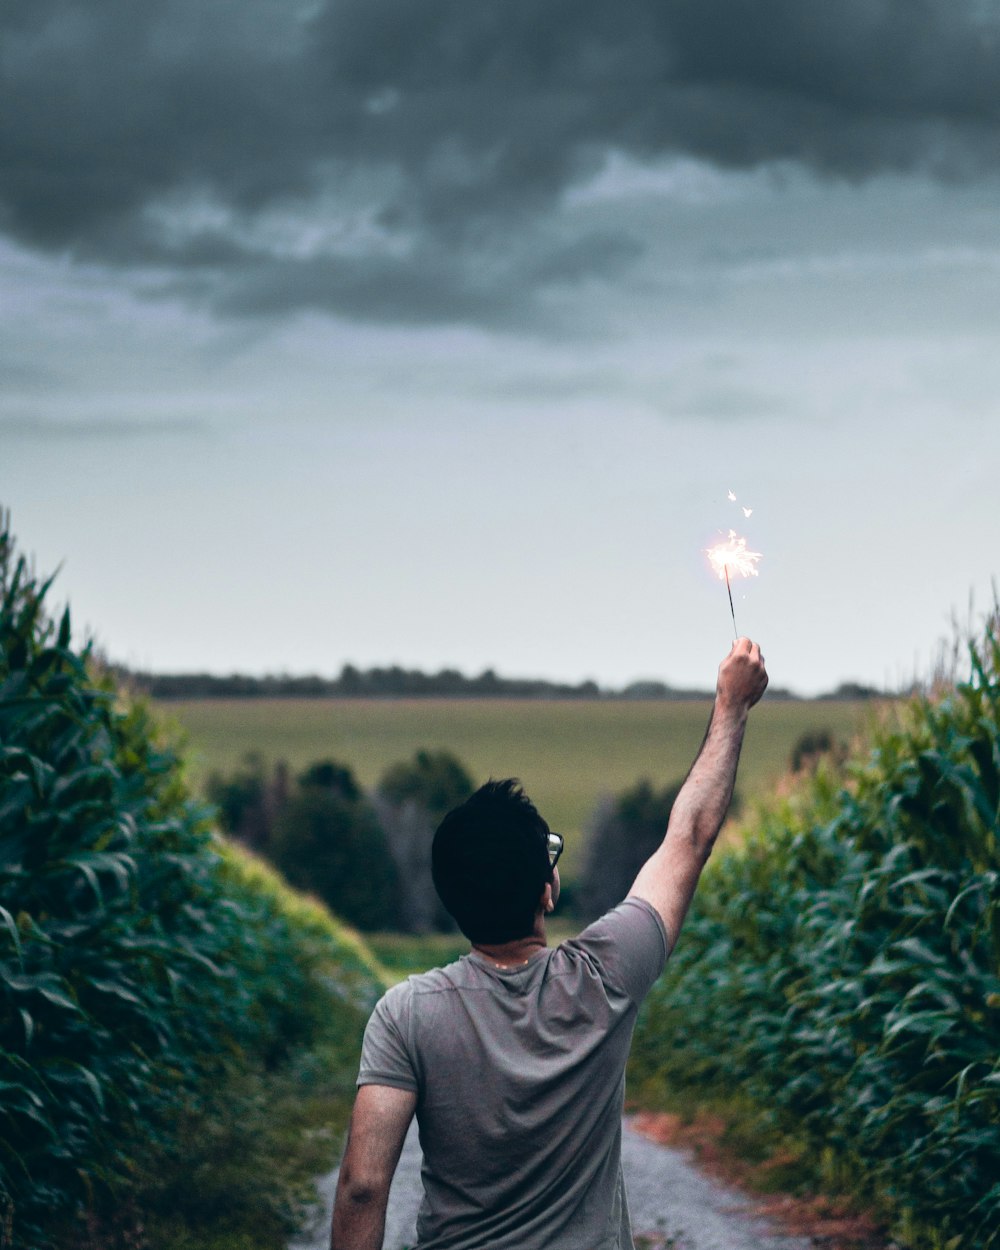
[673, 1205]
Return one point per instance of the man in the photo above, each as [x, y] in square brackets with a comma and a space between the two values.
[513, 1057]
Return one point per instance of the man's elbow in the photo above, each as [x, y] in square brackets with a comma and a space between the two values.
[696, 830]
[359, 1190]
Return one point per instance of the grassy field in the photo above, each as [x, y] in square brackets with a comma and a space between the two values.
[567, 753]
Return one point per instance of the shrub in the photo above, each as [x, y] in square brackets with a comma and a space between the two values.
[249, 800]
[436, 780]
[809, 749]
[327, 840]
[411, 799]
[624, 832]
[321, 831]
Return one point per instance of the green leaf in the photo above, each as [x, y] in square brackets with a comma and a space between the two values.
[45, 984]
[11, 926]
[64, 631]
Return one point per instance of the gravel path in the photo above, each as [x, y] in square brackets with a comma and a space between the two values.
[673, 1205]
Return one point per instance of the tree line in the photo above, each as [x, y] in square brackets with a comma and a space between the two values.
[392, 681]
[395, 682]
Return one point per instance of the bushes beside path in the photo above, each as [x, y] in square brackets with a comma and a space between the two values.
[840, 972]
[168, 1007]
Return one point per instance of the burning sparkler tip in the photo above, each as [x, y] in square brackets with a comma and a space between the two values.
[732, 557]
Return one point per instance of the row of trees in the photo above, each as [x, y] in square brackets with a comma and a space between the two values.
[394, 682]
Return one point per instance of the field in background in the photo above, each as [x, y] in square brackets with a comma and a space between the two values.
[567, 753]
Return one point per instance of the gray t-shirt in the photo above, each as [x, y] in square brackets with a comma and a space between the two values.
[520, 1080]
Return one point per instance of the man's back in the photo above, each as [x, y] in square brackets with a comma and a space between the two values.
[519, 1076]
[516, 1076]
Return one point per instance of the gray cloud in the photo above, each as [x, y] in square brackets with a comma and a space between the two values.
[28, 377]
[29, 428]
[407, 159]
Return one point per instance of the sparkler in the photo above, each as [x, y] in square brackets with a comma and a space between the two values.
[733, 554]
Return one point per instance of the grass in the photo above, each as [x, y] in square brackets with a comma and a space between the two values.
[567, 753]
[401, 954]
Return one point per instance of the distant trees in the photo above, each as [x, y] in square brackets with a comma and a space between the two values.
[410, 801]
[366, 857]
[327, 839]
[625, 830]
[250, 799]
[319, 830]
[436, 780]
[391, 682]
[814, 745]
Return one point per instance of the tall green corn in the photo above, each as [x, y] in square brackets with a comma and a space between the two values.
[842, 970]
[136, 964]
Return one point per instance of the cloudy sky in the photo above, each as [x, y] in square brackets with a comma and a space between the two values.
[436, 332]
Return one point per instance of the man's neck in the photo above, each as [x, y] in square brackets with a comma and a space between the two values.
[512, 954]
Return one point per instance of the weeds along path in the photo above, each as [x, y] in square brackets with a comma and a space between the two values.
[673, 1205]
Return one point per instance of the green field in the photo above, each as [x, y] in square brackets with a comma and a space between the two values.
[567, 753]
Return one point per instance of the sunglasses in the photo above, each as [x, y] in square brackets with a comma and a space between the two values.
[556, 842]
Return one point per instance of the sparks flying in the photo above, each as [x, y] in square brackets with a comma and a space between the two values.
[732, 557]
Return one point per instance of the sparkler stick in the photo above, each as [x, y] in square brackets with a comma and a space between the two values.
[732, 610]
[733, 554]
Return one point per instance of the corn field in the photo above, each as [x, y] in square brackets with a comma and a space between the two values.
[841, 971]
[140, 961]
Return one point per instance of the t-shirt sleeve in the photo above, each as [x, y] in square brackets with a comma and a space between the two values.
[385, 1059]
[629, 945]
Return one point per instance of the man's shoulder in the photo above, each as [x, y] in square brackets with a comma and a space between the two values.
[633, 919]
[627, 947]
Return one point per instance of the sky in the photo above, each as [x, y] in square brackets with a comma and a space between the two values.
[438, 332]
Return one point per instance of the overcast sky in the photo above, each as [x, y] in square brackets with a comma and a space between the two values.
[435, 332]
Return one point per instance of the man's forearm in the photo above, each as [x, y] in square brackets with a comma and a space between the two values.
[703, 800]
[669, 878]
[358, 1220]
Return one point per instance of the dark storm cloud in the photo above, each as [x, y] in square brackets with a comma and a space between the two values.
[180, 134]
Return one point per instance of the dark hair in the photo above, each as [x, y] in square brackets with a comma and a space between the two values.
[490, 863]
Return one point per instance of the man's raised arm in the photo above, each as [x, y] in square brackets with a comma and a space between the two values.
[668, 878]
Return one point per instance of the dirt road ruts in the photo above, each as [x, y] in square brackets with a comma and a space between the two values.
[673, 1205]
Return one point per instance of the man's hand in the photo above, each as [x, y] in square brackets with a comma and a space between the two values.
[668, 878]
[742, 676]
[379, 1122]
